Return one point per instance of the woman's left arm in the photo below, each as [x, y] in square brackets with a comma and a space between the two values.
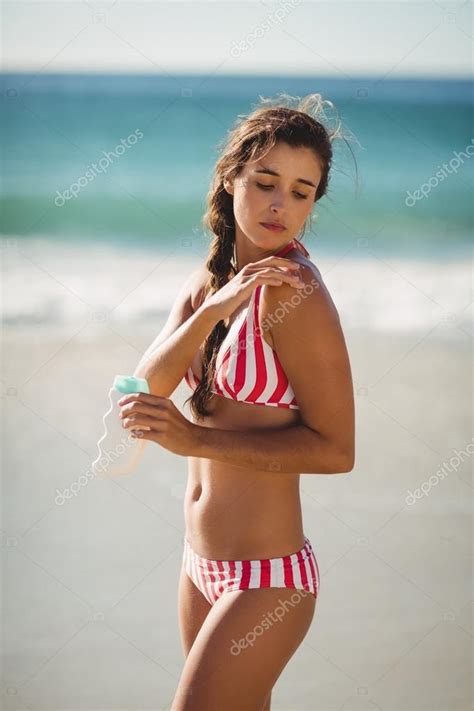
[290, 449]
[307, 336]
[308, 339]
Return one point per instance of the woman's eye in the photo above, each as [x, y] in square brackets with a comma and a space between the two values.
[300, 196]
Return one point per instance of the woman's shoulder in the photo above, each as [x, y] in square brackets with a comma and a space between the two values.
[197, 284]
[312, 279]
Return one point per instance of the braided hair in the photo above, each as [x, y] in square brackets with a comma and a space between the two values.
[286, 119]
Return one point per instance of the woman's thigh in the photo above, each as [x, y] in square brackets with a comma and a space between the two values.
[193, 609]
[242, 647]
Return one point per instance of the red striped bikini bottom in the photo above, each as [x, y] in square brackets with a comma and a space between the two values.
[214, 577]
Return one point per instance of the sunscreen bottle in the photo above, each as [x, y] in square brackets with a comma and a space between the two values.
[120, 449]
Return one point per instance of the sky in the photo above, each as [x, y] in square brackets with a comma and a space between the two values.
[376, 38]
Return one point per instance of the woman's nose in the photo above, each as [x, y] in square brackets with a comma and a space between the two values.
[278, 200]
[278, 203]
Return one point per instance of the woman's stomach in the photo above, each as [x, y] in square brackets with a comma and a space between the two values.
[233, 512]
[232, 515]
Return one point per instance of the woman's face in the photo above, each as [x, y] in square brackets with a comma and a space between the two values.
[278, 188]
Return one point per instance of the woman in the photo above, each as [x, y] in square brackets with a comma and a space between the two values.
[258, 338]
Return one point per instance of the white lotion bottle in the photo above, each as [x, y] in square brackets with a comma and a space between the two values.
[120, 449]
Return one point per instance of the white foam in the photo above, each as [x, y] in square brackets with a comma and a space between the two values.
[54, 283]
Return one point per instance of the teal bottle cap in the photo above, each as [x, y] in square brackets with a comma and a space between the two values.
[131, 384]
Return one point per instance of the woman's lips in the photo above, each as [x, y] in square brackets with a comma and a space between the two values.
[273, 228]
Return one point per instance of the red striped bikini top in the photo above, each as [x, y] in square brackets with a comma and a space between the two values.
[247, 367]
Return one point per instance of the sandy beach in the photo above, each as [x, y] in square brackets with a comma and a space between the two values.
[90, 582]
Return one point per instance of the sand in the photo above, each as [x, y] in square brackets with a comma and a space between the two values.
[89, 592]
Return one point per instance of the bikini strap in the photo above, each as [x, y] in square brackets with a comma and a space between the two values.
[299, 245]
[295, 243]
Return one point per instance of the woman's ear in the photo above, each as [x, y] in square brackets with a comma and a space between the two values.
[229, 186]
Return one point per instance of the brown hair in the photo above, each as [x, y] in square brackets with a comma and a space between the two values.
[287, 119]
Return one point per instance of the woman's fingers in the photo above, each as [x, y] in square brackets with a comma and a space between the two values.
[156, 424]
[146, 398]
[279, 276]
[275, 263]
[281, 263]
[278, 269]
[139, 407]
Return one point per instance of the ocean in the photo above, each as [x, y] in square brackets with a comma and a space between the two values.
[70, 229]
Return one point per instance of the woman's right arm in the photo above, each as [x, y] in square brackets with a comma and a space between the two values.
[167, 359]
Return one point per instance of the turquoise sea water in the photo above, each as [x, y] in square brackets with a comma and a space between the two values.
[120, 247]
[56, 127]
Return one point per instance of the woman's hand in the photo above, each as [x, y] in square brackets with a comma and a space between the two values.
[271, 270]
[167, 425]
